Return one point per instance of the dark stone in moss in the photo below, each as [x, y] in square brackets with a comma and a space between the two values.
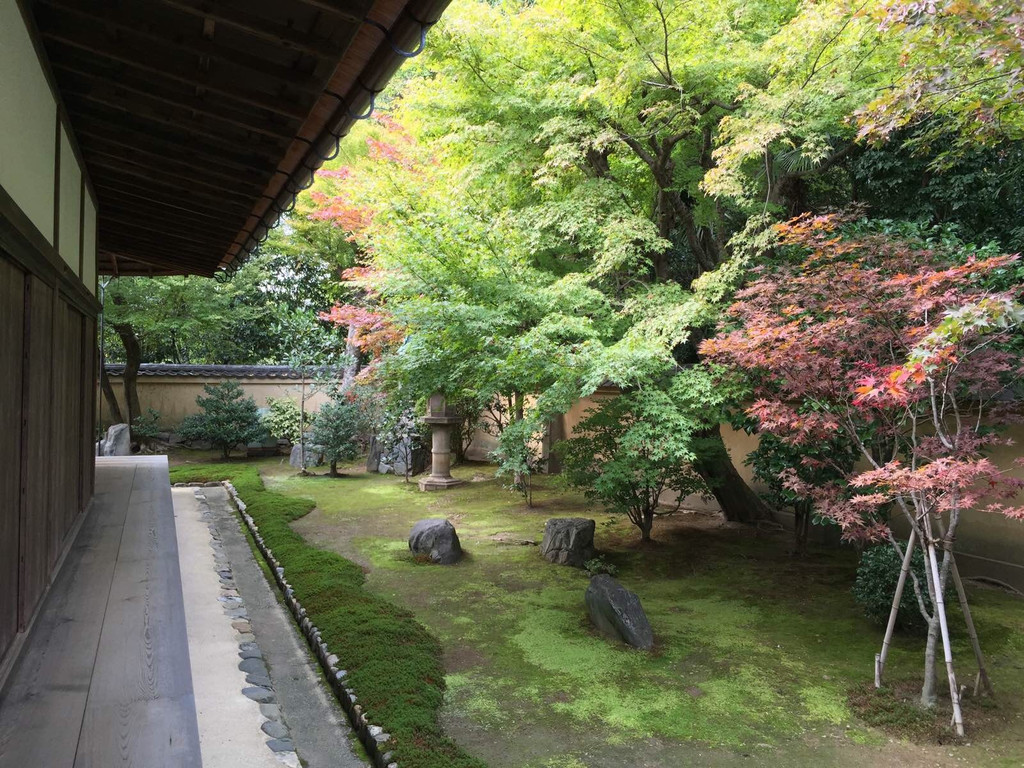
[568, 541]
[617, 613]
[436, 538]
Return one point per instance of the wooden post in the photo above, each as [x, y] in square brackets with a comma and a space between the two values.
[891, 626]
[302, 421]
[940, 607]
[983, 678]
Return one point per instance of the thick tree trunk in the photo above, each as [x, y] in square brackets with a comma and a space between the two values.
[132, 360]
[801, 527]
[457, 444]
[334, 469]
[738, 502]
[302, 423]
[108, 394]
[556, 434]
[646, 524]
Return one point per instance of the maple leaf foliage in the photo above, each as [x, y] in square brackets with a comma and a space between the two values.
[962, 62]
[901, 346]
[375, 330]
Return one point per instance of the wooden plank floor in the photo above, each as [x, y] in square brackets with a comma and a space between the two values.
[104, 679]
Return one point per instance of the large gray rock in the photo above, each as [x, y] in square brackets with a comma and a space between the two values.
[568, 540]
[403, 458]
[312, 458]
[436, 538]
[118, 441]
[373, 458]
[617, 613]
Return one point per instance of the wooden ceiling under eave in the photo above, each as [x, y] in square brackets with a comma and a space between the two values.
[200, 120]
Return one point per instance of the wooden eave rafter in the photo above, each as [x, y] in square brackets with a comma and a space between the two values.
[198, 120]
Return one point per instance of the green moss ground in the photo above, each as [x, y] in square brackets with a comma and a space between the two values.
[756, 652]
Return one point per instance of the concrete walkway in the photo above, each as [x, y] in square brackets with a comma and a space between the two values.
[230, 722]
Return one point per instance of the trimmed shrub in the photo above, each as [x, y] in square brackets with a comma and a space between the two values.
[875, 587]
[146, 427]
[227, 418]
[283, 419]
[334, 432]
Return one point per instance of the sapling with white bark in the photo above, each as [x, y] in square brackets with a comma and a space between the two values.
[909, 350]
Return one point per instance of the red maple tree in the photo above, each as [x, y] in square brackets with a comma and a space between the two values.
[909, 351]
[373, 330]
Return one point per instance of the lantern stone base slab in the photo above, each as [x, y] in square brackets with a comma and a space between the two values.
[431, 483]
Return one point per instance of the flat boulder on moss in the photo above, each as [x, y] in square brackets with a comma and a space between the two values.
[617, 613]
[435, 538]
[568, 540]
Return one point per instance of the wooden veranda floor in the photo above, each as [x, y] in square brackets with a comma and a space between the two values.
[104, 679]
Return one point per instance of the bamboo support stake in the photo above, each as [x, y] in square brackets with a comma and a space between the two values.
[940, 607]
[982, 678]
[890, 628]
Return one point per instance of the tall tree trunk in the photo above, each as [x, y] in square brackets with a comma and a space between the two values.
[518, 413]
[461, 439]
[801, 527]
[302, 422]
[108, 395]
[556, 433]
[334, 469]
[738, 502]
[132, 360]
[928, 694]
[349, 374]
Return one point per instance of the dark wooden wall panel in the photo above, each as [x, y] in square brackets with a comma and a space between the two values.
[87, 463]
[47, 369]
[74, 401]
[12, 315]
[58, 435]
[40, 453]
[92, 387]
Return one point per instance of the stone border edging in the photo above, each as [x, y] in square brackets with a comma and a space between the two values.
[373, 737]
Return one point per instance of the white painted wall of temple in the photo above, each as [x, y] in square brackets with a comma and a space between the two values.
[31, 136]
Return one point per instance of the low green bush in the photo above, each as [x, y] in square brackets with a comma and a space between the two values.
[146, 427]
[283, 419]
[227, 418]
[875, 587]
[597, 565]
[334, 432]
[393, 663]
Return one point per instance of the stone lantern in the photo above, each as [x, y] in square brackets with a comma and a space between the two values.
[441, 420]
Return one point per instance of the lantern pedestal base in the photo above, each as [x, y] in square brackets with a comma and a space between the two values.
[431, 483]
